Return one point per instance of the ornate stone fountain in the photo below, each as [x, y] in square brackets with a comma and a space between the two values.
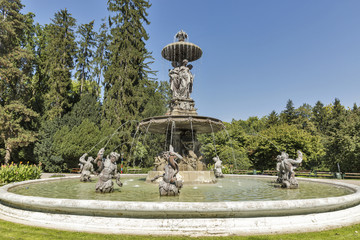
[189, 218]
[181, 123]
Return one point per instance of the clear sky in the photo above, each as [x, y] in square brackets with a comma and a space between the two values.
[257, 54]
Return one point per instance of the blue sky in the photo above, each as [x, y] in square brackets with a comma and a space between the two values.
[257, 54]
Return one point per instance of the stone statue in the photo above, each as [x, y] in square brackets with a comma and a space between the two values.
[181, 80]
[181, 36]
[108, 170]
[86, 168]
[170, 185]
[218, 167]
[159, 163]
[285, 167]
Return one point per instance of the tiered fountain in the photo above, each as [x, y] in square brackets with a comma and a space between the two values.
[235, 205]
[181, 124]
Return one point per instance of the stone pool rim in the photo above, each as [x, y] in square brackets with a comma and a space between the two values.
[193, 227]
[143, 209]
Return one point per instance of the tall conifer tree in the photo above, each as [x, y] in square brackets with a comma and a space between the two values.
[16, 58]
[101, 55]
[127, 73]
[288, 115]
[85, 54]
[60, 52]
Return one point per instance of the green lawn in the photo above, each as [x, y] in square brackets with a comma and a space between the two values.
[10, 230]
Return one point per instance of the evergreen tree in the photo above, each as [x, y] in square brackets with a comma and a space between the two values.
[272, 119]
[85, 54]
[343, 148]
[60, 52]
[16, 127]
[101, 55]
[129, 92]
[56, 136]
[336, 116]
[39, 84]
[288, 115]
[87, 108]
[334, 133]
[15, 59]
[127, 74]
[319, 117]
[44, 147]
[303, 118]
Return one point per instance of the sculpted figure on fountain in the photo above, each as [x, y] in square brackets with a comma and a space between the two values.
[170, 185]
[108, 170]
[181, 80]
[86, 168]
[285, 167]
[218, 167]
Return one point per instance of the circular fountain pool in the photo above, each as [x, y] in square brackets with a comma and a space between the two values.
[226, 189]
[239, 210]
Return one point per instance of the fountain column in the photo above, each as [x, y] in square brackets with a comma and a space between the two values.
[180, 53]
[181, 123]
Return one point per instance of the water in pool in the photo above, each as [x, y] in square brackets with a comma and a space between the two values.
[226, 189]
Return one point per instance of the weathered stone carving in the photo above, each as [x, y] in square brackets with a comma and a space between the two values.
[181, 80]
[181, 121]
[285, 167]
[86, 168]
[218, 167]
[170, 185]
[108, 170]
[181, 36]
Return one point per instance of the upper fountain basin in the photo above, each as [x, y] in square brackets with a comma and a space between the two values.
[178, 51]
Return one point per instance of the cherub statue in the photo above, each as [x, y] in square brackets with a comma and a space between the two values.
[108, 170]
[285, 167]
[170, 185]
[86, 168]
[218, 167]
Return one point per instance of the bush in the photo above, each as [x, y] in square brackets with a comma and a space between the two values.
[17, 173]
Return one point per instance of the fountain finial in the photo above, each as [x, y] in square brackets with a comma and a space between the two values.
[181, 36]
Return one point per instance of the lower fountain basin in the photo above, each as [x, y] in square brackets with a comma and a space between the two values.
[183, 218]
[169, 207]
[188, 177]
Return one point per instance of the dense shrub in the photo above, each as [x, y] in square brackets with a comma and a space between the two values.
[16, 173]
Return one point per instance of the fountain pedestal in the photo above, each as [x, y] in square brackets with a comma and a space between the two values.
[181, 123]
[179, 106]
[189, 177]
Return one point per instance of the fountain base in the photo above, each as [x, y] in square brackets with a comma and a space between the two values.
[182, 107]
[183, 218]
[189, 177]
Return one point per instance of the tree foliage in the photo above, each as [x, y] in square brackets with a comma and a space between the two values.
[15, 58]
[16, 127]
[126, 77]
[84, 56]
[288, 138]
[60, 51]
[51, 113]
